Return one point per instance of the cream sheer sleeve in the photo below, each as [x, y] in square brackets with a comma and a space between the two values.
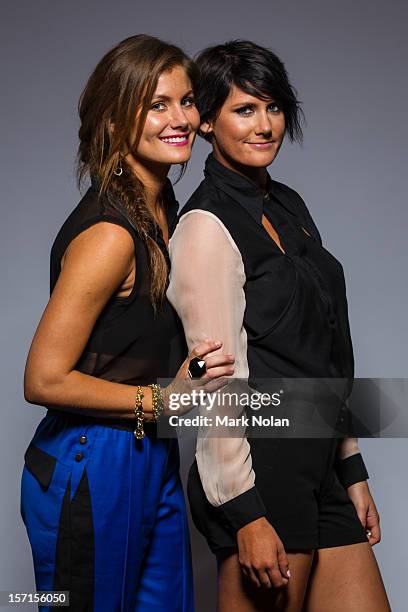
[207, 291]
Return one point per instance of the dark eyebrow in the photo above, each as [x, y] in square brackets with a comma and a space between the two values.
[240, 104]
[167, 98]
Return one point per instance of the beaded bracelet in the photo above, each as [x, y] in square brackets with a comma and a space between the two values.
[139, 414]
[157, 401]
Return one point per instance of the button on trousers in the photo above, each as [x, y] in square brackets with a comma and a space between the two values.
[106, 519]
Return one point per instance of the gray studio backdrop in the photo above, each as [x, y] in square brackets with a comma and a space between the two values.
[348, 61]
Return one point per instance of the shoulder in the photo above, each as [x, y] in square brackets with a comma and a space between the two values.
[203, 252]
[202, 227]
[105, 236]
[93, 231]
[97, 213]
[100, 257]
[205, 197]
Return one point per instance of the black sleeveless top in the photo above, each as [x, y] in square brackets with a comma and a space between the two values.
[129, 342]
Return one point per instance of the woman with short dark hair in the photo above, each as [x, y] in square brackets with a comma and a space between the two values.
[248, 266]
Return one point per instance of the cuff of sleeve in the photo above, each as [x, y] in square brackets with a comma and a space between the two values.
[351, 470]
[243, 509]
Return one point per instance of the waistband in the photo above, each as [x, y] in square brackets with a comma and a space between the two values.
[117, 423]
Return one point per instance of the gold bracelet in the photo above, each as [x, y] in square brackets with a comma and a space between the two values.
[157, 401]
[139, 414]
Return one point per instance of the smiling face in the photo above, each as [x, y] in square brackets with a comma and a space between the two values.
[171, 122]
[248, 132]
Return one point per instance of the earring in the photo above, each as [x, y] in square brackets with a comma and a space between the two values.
[119, 170]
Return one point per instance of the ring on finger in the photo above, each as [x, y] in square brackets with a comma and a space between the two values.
[196, 367]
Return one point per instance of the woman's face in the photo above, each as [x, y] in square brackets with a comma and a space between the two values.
[171, 122]
[248, 131]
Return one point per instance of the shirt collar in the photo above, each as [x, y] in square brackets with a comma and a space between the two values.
[244, 191]
[241, 189]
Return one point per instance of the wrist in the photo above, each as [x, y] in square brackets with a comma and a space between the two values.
[153, 401]
[166, 391]
[139, 413]
[157, 401]
[242, 510]
[253, 525]
[361, 484]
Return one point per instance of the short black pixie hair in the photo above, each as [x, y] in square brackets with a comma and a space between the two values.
[254, 69]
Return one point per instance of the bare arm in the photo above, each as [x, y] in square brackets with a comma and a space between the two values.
[347, 447]
[98, 264]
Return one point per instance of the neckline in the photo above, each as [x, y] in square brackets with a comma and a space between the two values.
[282, 250]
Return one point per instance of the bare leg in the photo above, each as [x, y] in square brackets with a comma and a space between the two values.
[236, 593]
[346, 579]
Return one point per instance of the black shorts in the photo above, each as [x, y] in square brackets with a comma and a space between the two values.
[306, 503]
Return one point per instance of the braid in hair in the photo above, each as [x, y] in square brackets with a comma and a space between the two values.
[129, 191]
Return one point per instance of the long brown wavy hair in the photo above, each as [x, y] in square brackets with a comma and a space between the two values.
[121, 87]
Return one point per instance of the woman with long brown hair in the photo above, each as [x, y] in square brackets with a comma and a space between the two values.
[101, 493]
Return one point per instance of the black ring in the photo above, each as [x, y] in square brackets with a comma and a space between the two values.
[196, 367]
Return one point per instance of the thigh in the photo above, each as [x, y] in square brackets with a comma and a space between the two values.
[290, 493]
[166, 579]
[126, 478]
[236, 593]
[89, 499]
[53, 512]
[339, 524]
[346, 579]
[41, 506]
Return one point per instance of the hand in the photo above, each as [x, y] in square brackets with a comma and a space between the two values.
[261, 554]
[217, 368]
[360, 495]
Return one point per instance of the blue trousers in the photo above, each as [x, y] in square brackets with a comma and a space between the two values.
[106, 518]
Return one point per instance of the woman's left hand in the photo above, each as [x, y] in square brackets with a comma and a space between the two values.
[360, 495]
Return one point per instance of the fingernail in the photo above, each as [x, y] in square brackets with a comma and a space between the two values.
[217, 343]
[288, 573]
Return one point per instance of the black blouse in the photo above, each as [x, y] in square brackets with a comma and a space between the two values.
[282, 314]
[296, 306]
